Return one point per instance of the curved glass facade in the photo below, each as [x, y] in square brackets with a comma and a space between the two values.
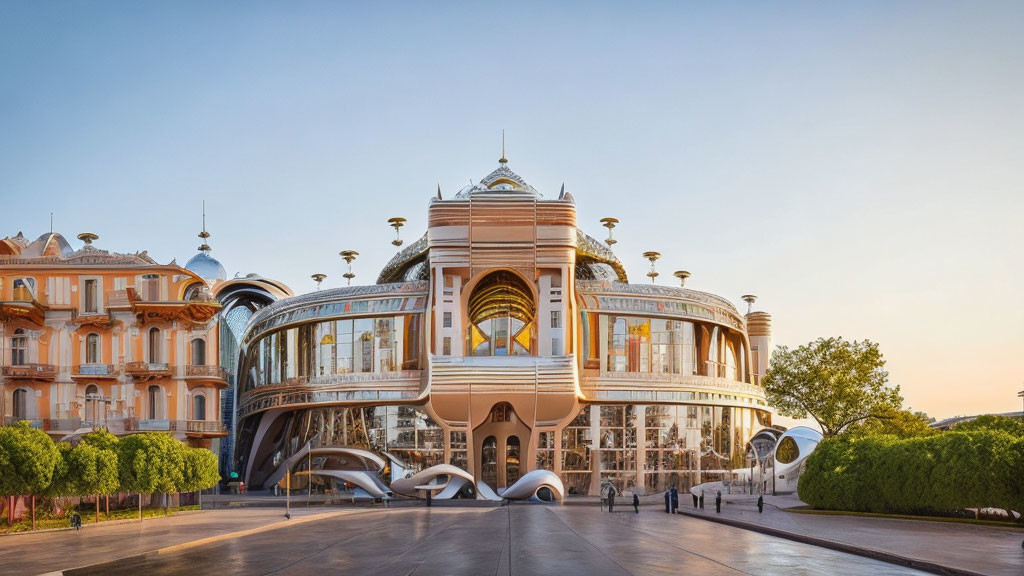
[519, 346]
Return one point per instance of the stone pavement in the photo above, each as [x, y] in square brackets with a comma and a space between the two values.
[56, 550]
[526, 539]
[967, 548]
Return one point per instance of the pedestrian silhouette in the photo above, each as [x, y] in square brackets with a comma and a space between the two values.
[760, 504]
[675, 501]
[611, 498]
[694, 494]
[76, 521]
[718, 502]
[701, 500]
[668, 501]
[636, 503]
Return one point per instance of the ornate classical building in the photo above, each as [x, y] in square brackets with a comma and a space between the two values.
[502, 341]
[95, 339]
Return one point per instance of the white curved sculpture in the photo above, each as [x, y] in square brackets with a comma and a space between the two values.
[364, 479]
[531, 483]
[414, 485]
[801, 440]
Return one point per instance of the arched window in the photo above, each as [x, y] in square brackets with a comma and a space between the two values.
[92, 349]
[502, 412]
[154, 345]
[501, 314]
[199, 352]
[94, 406]
[511, 460]
[154, 397]
[489, 461]
[19, 348]
[20, 411]
[199, 407]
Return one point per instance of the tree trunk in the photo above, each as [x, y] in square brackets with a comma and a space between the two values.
[97, 508]
[10, 511]
[107, 511]
[140, 507]
[33, 512]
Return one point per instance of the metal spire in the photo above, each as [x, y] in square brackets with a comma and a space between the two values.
[204, 247]
[503, 160]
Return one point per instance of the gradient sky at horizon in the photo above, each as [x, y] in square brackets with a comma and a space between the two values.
[857, 165]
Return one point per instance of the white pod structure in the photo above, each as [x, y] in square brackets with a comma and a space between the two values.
[540, 484]
[791, 451]
[443, 480]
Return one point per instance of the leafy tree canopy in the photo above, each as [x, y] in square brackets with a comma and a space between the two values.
[101, 439]
[27, 460]
[1014, 426]
[200, 470]
[836, 382]
[150, 462]
[92, 470]
[899, 423]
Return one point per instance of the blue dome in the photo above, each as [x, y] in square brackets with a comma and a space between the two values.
[207, 267]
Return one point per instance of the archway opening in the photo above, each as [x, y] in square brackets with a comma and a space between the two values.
[501, 316]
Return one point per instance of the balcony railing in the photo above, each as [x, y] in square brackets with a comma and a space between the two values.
[161, 425]
[194, 370]
[95, 370]
[146, 367]
[48, 424]
[36, 371]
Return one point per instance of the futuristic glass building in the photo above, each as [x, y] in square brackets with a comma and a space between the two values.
[504, 340]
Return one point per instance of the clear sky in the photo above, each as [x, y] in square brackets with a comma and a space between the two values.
[857, 165]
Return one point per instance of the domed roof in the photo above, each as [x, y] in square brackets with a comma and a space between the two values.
[206, 266]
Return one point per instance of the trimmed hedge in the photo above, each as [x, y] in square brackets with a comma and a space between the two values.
[925, 475]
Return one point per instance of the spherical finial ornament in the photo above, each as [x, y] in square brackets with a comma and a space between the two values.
[88, 238]
[653, 257]
[682, 275]
[749, 299]
[609, 223]
[318, 278]
[397, 223]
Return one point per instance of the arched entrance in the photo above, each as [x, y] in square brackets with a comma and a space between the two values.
[503, 440]
[501, 314]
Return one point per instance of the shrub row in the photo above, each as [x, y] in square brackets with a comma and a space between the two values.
[925, 475]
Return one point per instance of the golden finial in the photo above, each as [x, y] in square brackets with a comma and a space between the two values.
[349, 256]
[503, 160]
[609, 223]
[88, 238]
[682, 275]
[397, 223]
[318, 278]
[653, 257]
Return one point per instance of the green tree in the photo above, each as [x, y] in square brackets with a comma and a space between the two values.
[149, 463]
[92, 470]
[101, 439]
[836, 382]
[27, 460]
[200, 470]
[1014, 426]
[899, 423]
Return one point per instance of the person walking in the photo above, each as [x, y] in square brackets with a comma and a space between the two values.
[701, 500]
[760, 504]
[718, 502]
[668, 501]
[611, 498]
[636, 503]
[76, 521]
[694, 494]
[675, 501]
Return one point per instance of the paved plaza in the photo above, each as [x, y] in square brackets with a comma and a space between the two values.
[525, 539]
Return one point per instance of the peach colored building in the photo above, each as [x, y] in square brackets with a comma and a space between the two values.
[92, 338]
